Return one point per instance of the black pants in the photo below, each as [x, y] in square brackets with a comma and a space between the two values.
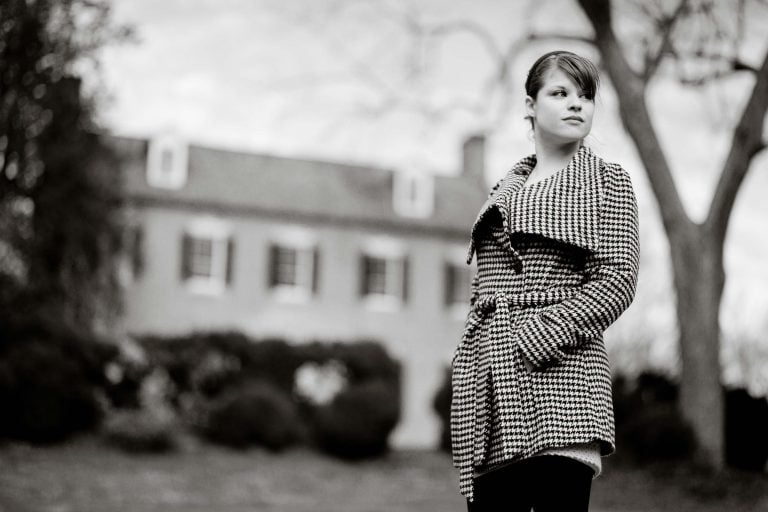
[547, 483]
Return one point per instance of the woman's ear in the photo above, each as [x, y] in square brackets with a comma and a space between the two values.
[530, 105]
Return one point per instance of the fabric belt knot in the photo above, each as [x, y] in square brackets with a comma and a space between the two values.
[498, 331]
[486, 303]
[473, 384]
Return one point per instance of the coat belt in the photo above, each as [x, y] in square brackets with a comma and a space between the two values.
[486, 302]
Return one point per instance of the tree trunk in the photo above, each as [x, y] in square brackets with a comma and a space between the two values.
[696, 250]
[699, 277]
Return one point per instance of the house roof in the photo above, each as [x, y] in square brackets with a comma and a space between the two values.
[297, 189]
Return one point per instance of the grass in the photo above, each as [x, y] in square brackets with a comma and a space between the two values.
[86, 476]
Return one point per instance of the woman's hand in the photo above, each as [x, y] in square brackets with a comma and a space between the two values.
[528, 365]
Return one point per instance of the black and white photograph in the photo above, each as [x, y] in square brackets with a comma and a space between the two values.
[383, 255]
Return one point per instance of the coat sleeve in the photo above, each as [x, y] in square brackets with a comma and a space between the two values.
[609, 287]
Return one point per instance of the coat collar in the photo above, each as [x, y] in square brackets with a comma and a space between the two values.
[564, 207]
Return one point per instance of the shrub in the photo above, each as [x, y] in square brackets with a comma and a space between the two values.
[205, 363]
[442, 406]
[366, 361]
[125, 374]
[139, 430]
[50, 383]
[273, 360]
[657, 433]
[649, 427]
[259, 413]
[214, 363]
[746, 431]
[151, 425]
[357, 423]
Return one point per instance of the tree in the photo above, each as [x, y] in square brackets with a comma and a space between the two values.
[59, 195]
[681, 32]
[696, 247]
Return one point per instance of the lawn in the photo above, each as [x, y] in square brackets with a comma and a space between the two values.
[85, 476]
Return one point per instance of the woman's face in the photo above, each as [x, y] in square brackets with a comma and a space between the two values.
[560, 110]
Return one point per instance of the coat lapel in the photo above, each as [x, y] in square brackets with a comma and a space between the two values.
[564, 207]
[499, 199]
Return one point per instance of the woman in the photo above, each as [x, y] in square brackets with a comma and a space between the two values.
[557, 258]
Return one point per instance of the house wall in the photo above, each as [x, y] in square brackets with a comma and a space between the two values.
[421, 335]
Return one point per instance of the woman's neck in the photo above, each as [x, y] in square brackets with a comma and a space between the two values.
[550, 158]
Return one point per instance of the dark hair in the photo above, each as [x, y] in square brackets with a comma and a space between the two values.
[582, 71]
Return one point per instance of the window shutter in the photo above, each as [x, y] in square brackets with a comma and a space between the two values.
[273, 254]
[230, 259]
[405, 278]
[468, 279]
[364, 271]
[315, 269]
[137, 251]
[449, 283]
[186, 250]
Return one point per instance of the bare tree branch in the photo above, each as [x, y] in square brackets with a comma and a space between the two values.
[541, 36]
[502, 79]
[471, 28]
[497, 82]
[630, 88]
[667, 26]
[747, 142]
[710, 77]
[735, 63]
[433, 112]
[728, 66]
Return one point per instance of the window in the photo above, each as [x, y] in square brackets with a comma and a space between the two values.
[375, 272]
[206, 260]
[293, 271]
[384, 275]
[413, 194]
[200, 257]
[166, 162]
[167, 158]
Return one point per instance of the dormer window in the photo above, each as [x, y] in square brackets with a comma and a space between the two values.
[167, 159]
[166, 165]
[413, 194]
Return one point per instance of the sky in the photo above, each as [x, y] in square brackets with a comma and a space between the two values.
[345, 80]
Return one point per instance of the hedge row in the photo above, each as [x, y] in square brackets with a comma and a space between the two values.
[343, 398]
[238, 392]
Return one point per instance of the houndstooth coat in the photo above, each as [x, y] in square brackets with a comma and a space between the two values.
[557, 263]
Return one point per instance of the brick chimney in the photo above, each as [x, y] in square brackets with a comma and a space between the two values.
[474, 157]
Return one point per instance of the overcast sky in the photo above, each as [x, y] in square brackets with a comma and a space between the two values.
[310, 79]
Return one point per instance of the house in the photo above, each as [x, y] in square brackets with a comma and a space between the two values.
[304, 250]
